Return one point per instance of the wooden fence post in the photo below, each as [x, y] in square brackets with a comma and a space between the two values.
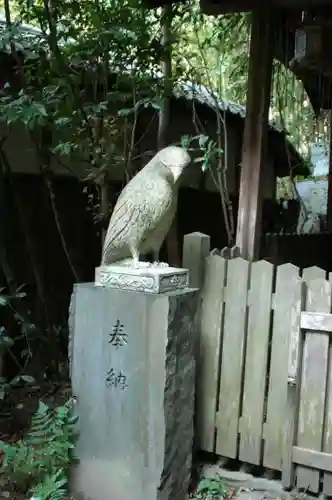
[210, 338]
[196, 247]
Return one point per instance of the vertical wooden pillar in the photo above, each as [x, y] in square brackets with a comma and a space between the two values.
[255, 133]
[329, 186]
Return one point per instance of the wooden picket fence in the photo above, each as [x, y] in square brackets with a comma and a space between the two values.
[265, 369]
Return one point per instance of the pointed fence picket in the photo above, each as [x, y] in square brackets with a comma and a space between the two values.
[255, 372]
[264, 383]
[233, 344]
[212, 308]
[285, 332]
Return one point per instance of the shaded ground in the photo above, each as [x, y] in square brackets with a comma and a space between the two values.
[15, 417]
[16, 410]
[243, 486]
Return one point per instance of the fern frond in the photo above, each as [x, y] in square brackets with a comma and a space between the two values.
[44, 456]
[53, 487]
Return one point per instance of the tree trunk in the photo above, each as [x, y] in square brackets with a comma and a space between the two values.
[43, 143]
[29, 240]
[172, 246]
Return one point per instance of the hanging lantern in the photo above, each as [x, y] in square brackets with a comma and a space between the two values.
[311, 37]
[308, 42]
[308, 48]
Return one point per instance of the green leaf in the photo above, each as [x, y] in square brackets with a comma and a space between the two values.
[199, 160]
[97, 108]
[39, 109]
[65, 148]
[6, 341]
[125, 111]
[42, 408]
[27, 379]
[205, 166]
[204, 485]
[4, 300]
[202, 139]
[185, 139]
[212, 486]
[61, 122]
[156, 105]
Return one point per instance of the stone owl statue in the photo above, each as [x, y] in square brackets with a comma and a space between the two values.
[145, 210]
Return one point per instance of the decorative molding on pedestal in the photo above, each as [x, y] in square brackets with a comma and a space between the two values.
[148, 280]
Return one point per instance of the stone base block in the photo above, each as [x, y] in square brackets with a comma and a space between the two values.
[133, 375]
[149, 280]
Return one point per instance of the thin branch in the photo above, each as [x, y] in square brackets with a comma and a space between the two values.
[221, 177]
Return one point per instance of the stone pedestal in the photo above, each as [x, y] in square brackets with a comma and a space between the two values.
[149, 280]
[133, 374]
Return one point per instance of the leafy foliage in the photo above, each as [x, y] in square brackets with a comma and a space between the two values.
[39, 463]
[7, 341]
[71, 87]
[19, 342]
[97, 39]
[215, 52]
[211, 488]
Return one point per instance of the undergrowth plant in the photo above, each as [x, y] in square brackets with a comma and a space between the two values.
[39, 463]
[12, 303]
[211, 488]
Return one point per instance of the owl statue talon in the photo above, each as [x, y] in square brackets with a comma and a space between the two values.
[134, 263]
[142, 264]
[160, 264]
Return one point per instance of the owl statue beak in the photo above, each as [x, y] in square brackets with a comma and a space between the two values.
[177, 172]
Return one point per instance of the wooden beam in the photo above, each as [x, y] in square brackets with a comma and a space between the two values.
[227, 6]
[255, 133]
[312, 458]
[317, 322]
[329, 184]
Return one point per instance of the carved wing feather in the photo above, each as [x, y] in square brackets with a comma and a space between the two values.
[124, 216]
[138, 213]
